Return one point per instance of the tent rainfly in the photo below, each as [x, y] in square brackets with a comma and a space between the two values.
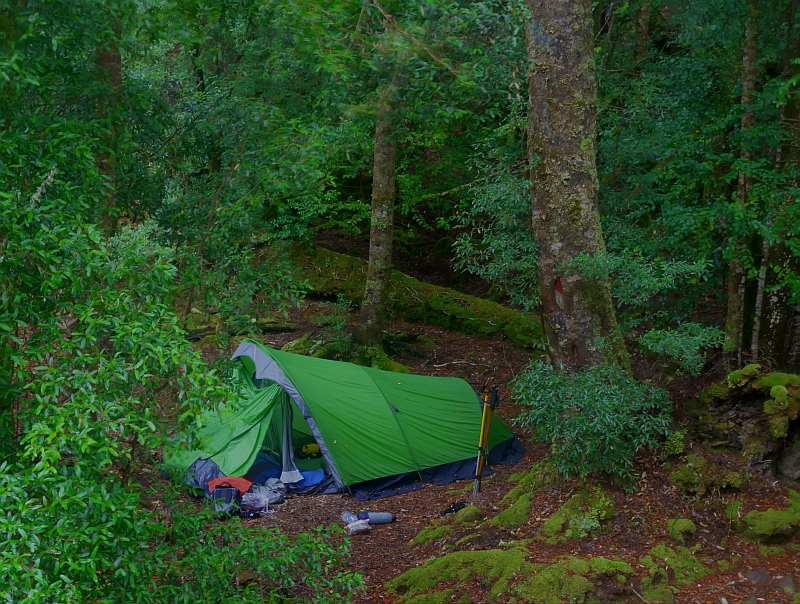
[368, 424]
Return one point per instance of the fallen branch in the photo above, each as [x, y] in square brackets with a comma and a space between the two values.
[464, 363]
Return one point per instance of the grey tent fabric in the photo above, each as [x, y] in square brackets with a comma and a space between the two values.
[290, 473]
[267, 369]
[200, 473]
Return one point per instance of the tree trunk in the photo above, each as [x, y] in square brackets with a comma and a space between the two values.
[379, 271]
[780, 339]
[762, 280]
[109, 60]
[578, 313]
[737, 274]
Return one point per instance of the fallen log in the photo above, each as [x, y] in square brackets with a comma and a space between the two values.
[333, 274]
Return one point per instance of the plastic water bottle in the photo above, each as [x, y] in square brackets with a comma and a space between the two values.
[377, 517]
[349, 517]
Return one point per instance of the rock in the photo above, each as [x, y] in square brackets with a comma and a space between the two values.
[774, 525]
[789, 460]
[758, 576]
[300, 346]
[470, 513]
[681, 529]
[752, 600]
[516, 515]
[787, 585]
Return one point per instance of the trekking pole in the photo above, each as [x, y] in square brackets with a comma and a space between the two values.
[490, 402]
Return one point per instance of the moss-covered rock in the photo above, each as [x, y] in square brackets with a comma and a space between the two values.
[333, 274]
[680, 562]
[494, 565]
[697, 477]
[740, 377]
[681, 529]
[437, 530]
[570, 579]
[585, 513]
[539, 476]
[750, 413]
[773, 525]
[300, 346]
[516, 515]
[436, 597]
[471, 513]
[372, 356]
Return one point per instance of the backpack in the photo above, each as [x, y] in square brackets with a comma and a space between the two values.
[226, 498]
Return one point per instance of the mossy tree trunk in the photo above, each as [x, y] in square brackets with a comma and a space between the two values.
[578, 313]
[373, 305]
[737, 274]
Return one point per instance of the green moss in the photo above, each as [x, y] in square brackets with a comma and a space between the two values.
[582, 515]
[436, 597]
[466, 539]
[716, 391]
[432, 533]
[300, 346]
[539, 476]
[471, 513]
[569, 579]
[657, 594]
[697, 476]
[497, 565]
[779, 393]
[372, 356]
[516, 515]
[681, 561]
[680, 529]
[771, 550]
[740, 377]
[774, 525]
[778, 426]
[768, 382]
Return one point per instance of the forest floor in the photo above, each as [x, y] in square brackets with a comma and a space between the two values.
[716, 566]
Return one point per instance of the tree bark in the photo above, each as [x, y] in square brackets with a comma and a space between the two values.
[643, 27]
[762, 280]
[109, 60]
[737, 274]
[578, 313]
[780, 340]
[373, 305]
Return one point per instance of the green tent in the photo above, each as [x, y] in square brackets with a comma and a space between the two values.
[369, 424]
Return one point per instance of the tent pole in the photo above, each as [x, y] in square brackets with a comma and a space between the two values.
[486, 419]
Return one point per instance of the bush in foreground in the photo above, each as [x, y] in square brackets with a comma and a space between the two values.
[595, 420]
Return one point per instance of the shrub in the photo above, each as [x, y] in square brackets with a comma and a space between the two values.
[684, 345]
[595, 420]
[99, 372]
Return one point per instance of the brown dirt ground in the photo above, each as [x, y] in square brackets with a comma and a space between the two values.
[638, 524]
